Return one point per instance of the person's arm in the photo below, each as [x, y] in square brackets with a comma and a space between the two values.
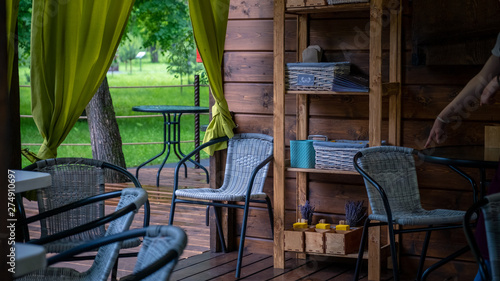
[481, 87]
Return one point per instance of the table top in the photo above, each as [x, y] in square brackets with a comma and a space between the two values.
[29, 258]
[170, 109]
[30, 180]
[476, 156]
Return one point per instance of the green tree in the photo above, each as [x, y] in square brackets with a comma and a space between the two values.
[128, 49]
[160, 24]
[24, 31]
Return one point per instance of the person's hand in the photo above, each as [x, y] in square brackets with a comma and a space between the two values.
[488, 95]
[437, 134]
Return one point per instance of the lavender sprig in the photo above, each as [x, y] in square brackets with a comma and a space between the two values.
[354, 212]
[307, 211]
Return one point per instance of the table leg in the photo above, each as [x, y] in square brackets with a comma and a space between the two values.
[177, 147]
[177, 140]
[159, 154]
[471, 180]
[166, 143]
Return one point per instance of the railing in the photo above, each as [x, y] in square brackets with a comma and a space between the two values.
[196, 85]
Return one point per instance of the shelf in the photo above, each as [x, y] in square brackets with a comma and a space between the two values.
[350, 7]
[328, 93]
[322, 171]
[388, 89]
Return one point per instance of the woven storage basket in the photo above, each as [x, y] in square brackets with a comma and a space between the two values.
[337, 155]
[333, 2]
[313, 76]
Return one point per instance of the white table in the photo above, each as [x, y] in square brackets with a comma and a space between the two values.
[29, 258]
[26, 181]
[29, 180]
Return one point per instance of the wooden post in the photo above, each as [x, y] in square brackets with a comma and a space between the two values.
[375, 122]
[279, 133]
[302, 116]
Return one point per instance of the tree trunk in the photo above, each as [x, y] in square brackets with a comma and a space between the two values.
[154, 53]
[104, 132]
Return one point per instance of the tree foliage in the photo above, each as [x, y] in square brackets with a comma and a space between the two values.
[160, 23]
[24, 31]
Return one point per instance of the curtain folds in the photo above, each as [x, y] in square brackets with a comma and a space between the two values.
[12, 8]
[209, 21]
[72, 46]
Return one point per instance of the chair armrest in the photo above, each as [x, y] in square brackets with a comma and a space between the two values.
[93, 224]
[189, 155]
[70, 206]
[92, 245]
[134, 206]
[254, 173]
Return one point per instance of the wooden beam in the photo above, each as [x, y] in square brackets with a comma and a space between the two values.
[279, 132]
[375, 122]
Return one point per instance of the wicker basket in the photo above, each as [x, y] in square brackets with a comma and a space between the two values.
[313, 76]
[337, 155]
[335, 2]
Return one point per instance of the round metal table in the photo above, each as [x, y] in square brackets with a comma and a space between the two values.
[472, 156]
[171, 132]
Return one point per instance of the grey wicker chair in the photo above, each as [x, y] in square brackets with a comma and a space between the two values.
[131, 199]
[75, 179]
[247, 163]
[161, 248]
[391, 183]
[490, 205]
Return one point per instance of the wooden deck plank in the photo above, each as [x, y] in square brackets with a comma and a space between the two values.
[248, 270]
[197, 262]
[224, 269]
[207, 265]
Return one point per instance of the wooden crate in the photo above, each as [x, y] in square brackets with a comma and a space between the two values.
[295, 3]
[316, 2]
[294, 240]
[343, 242]
[315, 241]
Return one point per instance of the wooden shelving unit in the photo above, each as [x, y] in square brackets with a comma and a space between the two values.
[377, 90]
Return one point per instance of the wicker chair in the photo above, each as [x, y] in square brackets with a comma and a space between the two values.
[131, 199]
[74, 179]
[161, 248]
[247, 163]
[391, 183]
[490, 205]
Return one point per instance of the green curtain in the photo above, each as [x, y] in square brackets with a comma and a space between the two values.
[209, 20]
[12, 8]
[72, 46]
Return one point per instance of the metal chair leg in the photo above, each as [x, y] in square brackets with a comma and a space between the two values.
[219, 229]
[270, 212]
[172, 211]
[361, 250]
[242, 240]
[114, 271]
[394, 255]
[423, 255]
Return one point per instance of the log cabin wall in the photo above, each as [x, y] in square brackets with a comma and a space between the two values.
[433, 72]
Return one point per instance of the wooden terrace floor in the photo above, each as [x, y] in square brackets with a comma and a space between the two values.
[197, 262]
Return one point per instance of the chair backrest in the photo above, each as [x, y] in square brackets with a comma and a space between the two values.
[389, 170]
[490, 207]
[107, 255]
[158, 242]
[161, 248]
[73, 179]
[244, 153]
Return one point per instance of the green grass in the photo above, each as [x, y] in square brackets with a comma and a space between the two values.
[133, 130]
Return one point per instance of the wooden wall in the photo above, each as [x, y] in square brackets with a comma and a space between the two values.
[427, 88]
